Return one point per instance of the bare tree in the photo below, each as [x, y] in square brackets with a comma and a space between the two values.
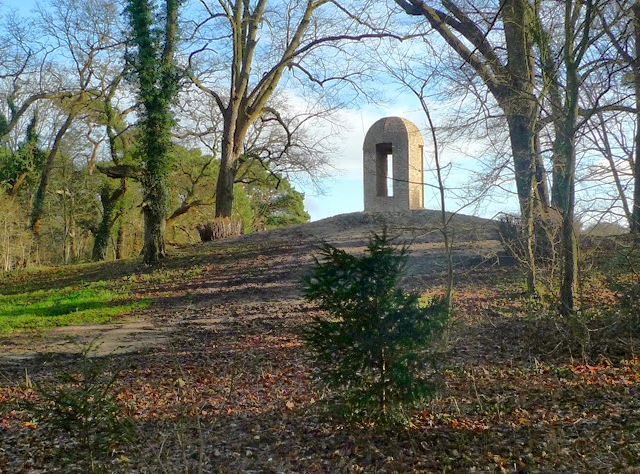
[26, 74]
[609, 139]
[265, 41]
[621, 23]
[563, 63]
[503, 58]
[82, 41]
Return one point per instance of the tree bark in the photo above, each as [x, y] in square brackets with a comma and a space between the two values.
[520, 135]
[635, 213]
[566, 199]
[37, 209]
[228, 159]
[120, 241]
[110, 203]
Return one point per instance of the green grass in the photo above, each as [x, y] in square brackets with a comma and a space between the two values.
[42, 309]
[88, 293]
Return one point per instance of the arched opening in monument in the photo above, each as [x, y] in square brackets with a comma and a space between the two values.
[384, 170]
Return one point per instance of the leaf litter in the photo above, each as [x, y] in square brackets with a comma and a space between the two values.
[232, 391]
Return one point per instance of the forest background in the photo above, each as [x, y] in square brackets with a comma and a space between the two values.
[530, 99]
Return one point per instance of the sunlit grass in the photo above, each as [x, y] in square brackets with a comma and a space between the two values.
[87, 293]
[42, 309]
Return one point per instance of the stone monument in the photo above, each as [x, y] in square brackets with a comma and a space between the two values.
[393, 169]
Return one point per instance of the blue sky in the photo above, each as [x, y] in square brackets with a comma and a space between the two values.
[23, 6]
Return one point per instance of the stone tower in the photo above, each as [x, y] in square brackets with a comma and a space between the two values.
[393, 170]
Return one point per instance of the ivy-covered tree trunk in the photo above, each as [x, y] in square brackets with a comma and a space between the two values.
[154, 70]
[26, 160]
[154, 231]
[112, 197]
[120, 242]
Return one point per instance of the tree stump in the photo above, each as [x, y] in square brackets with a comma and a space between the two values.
[221, 228]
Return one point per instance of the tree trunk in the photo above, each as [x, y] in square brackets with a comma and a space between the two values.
[232, 145]
[542, 186]
[635, 213]
[155, 200]
[120, 242]
[37, 209]
[521, 137]
[154, 230]
[568, 241]
[567, 148]
[73, 235]
[565, 189]
[520, 107]
[155, 204]
[224, 186]
[110, 200]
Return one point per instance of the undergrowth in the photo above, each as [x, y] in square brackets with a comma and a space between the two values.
[81, 404]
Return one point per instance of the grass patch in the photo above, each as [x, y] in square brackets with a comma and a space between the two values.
[88, 293]
[47, 297]
[42, 309]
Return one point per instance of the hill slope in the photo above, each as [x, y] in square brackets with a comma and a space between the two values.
[263, 269]
[216, 379]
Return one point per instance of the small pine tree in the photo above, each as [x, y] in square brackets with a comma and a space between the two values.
[82, 401]
[372, 343]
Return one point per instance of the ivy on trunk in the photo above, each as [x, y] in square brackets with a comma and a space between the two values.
[153, 67]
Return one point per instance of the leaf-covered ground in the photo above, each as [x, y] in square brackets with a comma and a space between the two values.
[231, 390]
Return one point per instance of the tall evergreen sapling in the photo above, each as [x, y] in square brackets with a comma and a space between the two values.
[372, 343]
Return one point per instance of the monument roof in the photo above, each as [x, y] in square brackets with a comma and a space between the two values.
[392, 125]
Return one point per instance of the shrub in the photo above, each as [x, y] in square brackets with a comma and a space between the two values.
[624, 280]
[545, 242]
[83, 404]
[371, 344]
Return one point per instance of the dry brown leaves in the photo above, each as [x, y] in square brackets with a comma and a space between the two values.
[233, 393]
